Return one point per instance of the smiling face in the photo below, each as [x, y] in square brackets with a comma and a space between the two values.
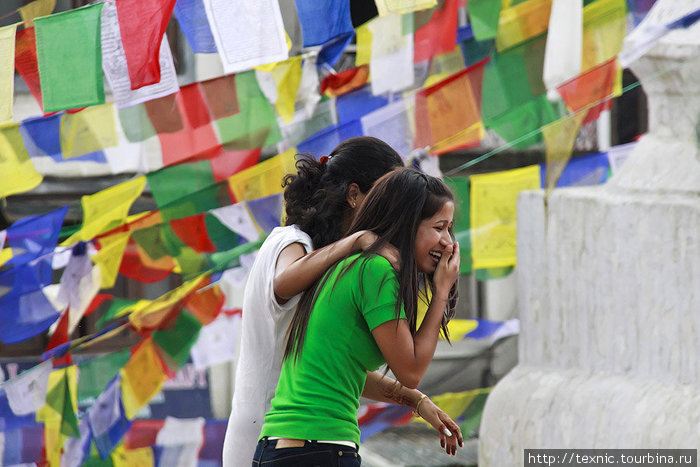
[432, 237]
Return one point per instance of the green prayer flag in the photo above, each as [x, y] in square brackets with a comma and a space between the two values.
[483, 15]
[230, 259]
[211, 197]
[523, 123]
[472, 416]
[59, 399]
[97, 372]
[255, 125]
[179, 181]
[69, 54]
[474, 51]
[178, 341]
[462, 232]
[136, 124]
[114, 308]
[219, 234]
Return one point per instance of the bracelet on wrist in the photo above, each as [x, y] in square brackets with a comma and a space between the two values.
[420, 401]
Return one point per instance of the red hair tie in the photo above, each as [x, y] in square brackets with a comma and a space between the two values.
[324, 160]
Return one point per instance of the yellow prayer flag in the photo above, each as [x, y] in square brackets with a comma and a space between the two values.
[89, 130]
[287, 77]
[7, 71]
[521, 22]
[53, 441]
[363, 53]
[263, 179]
[559, 138]
[458, 328]
[142, 378]
[493, 206]
[604, 28]
[107, 209]
[36, 9]
[17, 169]
[154, 312]
[5, 255]
[122, 457]
[387, 7]
[109, 257]
[444, 65]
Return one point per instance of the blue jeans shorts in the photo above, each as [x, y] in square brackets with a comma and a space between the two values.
[312, 454]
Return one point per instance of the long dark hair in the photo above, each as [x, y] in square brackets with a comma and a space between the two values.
[315, 197]
[393, 210]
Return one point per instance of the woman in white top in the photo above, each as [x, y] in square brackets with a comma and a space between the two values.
[320, 201]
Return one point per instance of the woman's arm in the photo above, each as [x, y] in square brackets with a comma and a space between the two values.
[409, 356]
[296, 271]
[383, 389]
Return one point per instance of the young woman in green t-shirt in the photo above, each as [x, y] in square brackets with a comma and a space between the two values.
[361, 314]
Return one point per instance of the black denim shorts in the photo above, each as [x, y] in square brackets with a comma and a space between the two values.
[312, 454]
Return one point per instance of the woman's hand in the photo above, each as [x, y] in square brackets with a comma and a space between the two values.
[366, 238]
[442, 422]
[446, 272]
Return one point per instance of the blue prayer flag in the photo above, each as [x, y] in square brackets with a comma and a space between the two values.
[323, 142]
[194, 24]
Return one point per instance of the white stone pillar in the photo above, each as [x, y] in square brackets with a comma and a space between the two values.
[609, 288]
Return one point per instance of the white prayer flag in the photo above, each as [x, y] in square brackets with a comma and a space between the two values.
[26, 393]
[237, 218]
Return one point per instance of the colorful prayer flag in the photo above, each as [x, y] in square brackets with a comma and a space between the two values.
[19, 174]
[88, 131]
[141, 378]
[142, 24]
[247, 33]
[263, 179]
[7, 75]
[70, 58]
[493, 205]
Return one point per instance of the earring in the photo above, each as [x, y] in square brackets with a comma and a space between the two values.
[354, 204]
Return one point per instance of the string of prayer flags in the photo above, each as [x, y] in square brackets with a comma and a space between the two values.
[435, 30]
[7, 75]
[116, 68]
[26, 62]
[107, 209]
[43, 136]
[604, 27]
[597, 85]
[493, 214]
[391, 64]
[247, 34]
[447, 117]
[142, 24]
[254, 125]
[559, 138]
[264, 178]
[521, 22]
[153, 314]
[192, 18]
[70, 58]
[141, 378]
[19, 174]
[483, 17]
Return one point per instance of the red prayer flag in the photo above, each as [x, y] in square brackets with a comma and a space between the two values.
[206, 303]
[60, 336]
[26, 62]
[193, 233]
[133, 267]
[143, 434]
[341, 83]
[594, 85]
[439, 34]
[142, 24]
[195, 108]
[228, 163]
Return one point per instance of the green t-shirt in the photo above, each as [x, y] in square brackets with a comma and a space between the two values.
[318, 394]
